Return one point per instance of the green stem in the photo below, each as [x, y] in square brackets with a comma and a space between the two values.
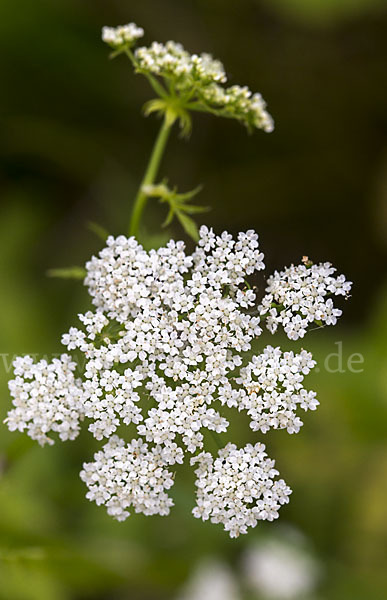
[216, 438]
[156, 85]
[150, 175]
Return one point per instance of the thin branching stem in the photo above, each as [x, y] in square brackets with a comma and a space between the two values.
[150, 176]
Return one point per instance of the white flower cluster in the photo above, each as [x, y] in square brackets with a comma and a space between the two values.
[281, 568]
[240, 103]
[302, 294]
[196, 78]
[270, 389]
[122, 476]
[211, 579]
[238, 488]
[123, 35]
[173, 318]
[163, 351]
[171, 60]
[46, 398]
[200, 78]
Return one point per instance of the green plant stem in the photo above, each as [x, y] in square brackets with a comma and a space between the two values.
[150, 175]
[216, 438]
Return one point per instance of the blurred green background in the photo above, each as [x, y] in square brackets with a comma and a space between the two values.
[73, 146]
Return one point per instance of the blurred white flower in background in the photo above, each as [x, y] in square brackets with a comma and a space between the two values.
[281, 568]
[211, 580]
